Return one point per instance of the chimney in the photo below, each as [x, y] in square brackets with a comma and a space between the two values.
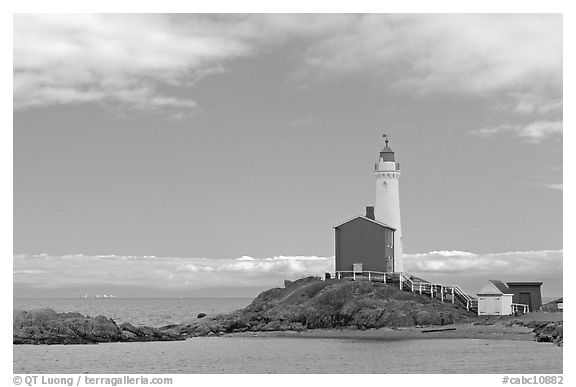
[370, 212]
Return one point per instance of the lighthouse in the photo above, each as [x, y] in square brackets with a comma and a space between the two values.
[387, 203]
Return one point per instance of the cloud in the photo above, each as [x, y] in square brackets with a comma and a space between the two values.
[41, 272]
[471, 270]
[126, 59]
[142, 61]
[532, 132]
[558, 186]
[149, 61]
[534, 104]
[512, 61]
[461, 262]
[51, 271]
[472, 53]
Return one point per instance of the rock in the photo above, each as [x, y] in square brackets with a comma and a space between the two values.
[273, 326]
[307, 303]
[128, 327]
[549, 332]
[545, 331]
[45, 326]
[129, 336]
[146, 333]
[559, 339]
[310, 303]
[170, 327]
[202, 330]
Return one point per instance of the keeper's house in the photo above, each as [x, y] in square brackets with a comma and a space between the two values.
[364, 244]
[495, 299]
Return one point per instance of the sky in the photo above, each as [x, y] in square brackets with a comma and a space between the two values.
[212, 155]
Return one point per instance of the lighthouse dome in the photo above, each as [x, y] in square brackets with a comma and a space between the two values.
[387, 154]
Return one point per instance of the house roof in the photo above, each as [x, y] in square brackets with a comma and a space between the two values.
[495, 287]
[524, 283]
[368, 219]
[501, 286]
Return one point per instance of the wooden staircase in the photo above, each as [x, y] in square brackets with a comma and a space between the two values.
[406, 282]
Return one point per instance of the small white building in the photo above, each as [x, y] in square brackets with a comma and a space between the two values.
[495, 299]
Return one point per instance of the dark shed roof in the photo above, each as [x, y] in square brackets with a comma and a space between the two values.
[501, 286]
[524, 283]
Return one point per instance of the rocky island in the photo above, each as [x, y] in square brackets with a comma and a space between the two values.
[306, 305]
[310, 303]
[45, 326]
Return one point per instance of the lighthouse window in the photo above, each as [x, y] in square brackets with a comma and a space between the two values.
[384, 186]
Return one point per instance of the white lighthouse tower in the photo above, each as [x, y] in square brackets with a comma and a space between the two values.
[387, 205]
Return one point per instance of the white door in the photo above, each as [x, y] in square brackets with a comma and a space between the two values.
[489, 306]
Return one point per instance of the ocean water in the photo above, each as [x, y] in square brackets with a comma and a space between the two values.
[294, 355]
[234, 354]
[138, 311]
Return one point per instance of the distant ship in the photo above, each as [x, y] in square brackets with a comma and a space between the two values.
[98, 296]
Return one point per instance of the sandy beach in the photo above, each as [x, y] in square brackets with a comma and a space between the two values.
[481, 328]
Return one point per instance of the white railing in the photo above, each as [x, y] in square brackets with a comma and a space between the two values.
[406, 283]
[517, 308]
[464, 296]
[371, 275]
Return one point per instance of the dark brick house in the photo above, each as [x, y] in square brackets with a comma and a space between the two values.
[364, 244]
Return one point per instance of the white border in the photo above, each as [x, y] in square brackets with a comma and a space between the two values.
[259, 6]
